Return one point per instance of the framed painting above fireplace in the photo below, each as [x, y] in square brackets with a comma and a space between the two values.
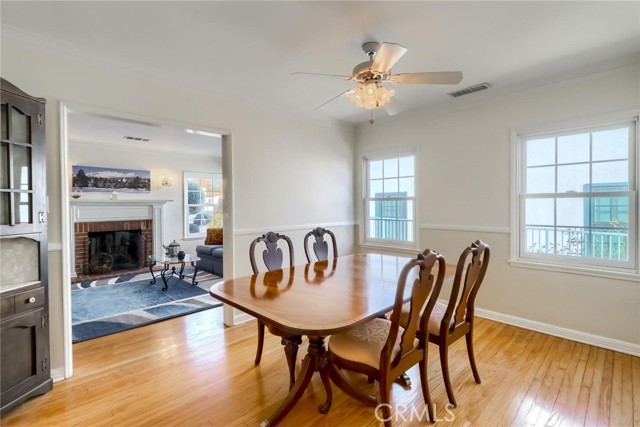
[101, 179]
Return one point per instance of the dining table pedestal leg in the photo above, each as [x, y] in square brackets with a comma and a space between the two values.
[314, 361]
[291, 345]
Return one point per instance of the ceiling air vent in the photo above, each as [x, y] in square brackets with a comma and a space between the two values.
[136, 138]
[470, 89]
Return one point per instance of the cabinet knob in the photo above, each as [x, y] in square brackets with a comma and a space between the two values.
[31, 300]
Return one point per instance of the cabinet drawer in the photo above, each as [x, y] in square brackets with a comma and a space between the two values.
[29, 300]
[7, 307]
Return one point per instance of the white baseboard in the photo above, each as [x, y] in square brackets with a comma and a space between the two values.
[570, 334]
[57, 374]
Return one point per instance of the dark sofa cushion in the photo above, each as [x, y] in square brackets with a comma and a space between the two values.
[211, 250]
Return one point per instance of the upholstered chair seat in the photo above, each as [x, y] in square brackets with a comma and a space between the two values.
[364, 343]
[435, 320]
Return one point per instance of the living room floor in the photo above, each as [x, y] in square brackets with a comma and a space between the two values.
[190, 371]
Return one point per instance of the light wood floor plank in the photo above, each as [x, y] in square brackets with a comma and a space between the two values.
[635, 383]
[528, 412]
[560, 402]
[516, 389]
[492, 375]
[586, 388]
[548, 393]
[621, 391]
[567, 403]
[193, 371]
[600, 399]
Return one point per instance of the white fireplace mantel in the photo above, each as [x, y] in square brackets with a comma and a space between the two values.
[88, 210]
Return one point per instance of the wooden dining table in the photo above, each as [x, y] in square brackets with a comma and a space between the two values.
[317, 300]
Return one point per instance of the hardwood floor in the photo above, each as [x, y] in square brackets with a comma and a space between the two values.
[192, 371]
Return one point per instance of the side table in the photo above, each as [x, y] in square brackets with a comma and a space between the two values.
[169, 264]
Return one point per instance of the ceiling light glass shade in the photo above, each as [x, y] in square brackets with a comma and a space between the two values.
[370, 95]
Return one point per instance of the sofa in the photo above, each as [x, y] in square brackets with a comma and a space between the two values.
[210, 258]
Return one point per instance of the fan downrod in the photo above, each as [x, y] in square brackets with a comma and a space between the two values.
[370, 48]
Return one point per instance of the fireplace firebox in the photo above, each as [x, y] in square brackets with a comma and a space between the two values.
[115, 250]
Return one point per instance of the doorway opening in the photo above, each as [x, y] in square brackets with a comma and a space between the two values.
[129, 208]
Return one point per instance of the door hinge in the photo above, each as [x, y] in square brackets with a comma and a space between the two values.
[40, 119]
[44, 321]
[45, 364]
[40, 217]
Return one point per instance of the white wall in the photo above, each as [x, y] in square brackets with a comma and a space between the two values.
[287, 173]
[159, 164]
[464, 194]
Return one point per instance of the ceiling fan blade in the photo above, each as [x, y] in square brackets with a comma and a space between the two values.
[392, 107]
[335, 97]
[436, 78]
[387, 56]
[321, 74]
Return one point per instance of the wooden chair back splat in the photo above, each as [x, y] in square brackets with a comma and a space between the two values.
[320, 246]
[272, 256]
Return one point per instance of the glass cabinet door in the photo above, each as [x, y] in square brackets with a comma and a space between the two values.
[21, 162]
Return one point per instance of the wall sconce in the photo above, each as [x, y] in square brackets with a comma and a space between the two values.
[166, 181]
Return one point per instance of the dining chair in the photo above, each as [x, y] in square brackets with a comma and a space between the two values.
[452, 321]
[320, 246]
[273, 258]
[381, 348]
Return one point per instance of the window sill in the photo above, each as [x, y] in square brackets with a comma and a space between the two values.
[583, 271]
[191, 238]
[411, 250]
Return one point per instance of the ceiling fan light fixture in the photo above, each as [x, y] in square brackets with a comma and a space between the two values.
[370, 95]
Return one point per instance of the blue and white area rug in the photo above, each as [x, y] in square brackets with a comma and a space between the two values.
[108, 306]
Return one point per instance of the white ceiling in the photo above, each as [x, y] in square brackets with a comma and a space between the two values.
[84, 128]
[247, 50]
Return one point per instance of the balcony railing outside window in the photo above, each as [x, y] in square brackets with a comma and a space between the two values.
[391, 229]
[606, 245]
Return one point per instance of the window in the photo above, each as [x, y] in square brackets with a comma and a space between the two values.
[202, 202]
[390, 200]
[577, 197]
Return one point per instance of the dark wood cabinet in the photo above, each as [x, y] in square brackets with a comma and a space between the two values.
[24, 324]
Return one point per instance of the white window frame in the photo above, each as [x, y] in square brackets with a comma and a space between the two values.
[366, 241]
[185, 181]
[623, 270]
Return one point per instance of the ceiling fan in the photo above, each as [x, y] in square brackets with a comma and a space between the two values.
[377, 70]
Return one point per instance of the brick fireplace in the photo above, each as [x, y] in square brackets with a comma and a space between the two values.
[136, 223]
[83, 248]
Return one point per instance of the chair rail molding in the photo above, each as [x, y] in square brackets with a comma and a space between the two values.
[472, 228]
[283, 228]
